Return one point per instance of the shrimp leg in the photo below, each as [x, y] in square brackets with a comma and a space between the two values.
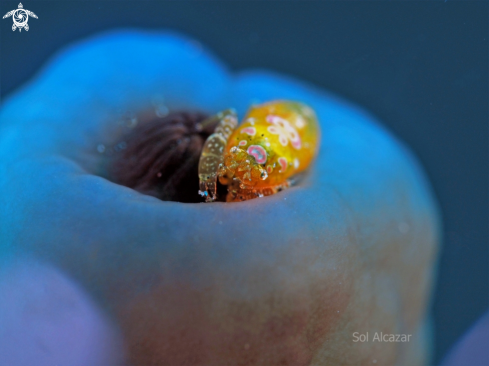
[212, 156]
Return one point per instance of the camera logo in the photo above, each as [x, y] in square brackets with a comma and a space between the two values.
[20, 17]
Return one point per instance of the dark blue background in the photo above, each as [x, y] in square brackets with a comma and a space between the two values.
[421, 67]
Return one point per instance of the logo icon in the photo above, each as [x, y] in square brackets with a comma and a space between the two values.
[20, 17]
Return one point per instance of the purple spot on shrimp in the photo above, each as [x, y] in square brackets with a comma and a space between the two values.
[259, 153]
[249, 130]
[283, 164]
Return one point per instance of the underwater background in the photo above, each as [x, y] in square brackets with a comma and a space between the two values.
[420, 67]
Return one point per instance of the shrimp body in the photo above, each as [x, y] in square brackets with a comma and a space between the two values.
[276, 141]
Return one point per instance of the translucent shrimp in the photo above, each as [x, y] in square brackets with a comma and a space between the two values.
[212, 156]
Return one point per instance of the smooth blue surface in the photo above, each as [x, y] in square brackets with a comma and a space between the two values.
[57, 205]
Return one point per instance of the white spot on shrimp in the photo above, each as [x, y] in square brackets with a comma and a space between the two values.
[300, 123]
[296, 163]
